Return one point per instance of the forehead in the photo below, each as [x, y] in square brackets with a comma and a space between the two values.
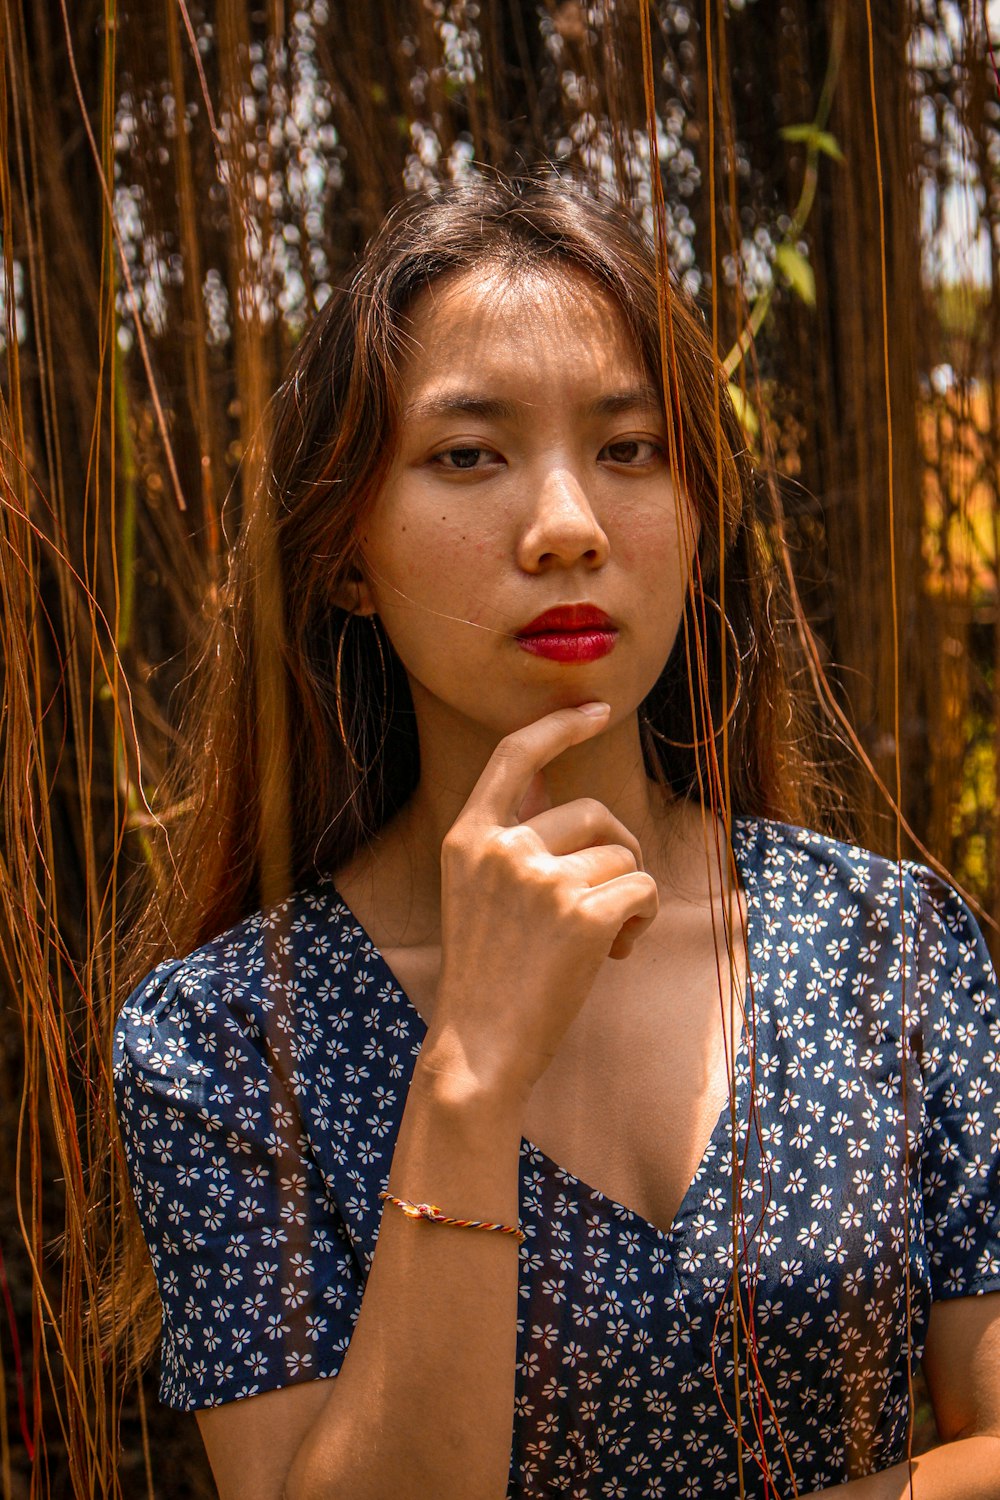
[535, 329]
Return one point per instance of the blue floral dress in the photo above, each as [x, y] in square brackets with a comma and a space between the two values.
[260, 1084]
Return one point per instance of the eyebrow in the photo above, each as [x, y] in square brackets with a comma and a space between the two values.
[488, 408]
[491, 408]
[619, 401]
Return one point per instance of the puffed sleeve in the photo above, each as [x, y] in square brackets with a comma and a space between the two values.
[960, 1157]
[257, 1278]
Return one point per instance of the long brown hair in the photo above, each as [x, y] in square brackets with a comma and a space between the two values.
[273, 795]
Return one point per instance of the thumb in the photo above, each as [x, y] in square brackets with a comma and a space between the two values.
[536, 798]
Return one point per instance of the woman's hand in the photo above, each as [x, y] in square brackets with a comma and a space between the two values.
[529, 912]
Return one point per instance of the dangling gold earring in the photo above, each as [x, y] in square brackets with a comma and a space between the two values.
[361, 770]
[701, 743]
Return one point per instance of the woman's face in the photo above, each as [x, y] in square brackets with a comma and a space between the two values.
[531, 474]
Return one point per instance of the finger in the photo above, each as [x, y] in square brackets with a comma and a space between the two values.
[599, 865]
[518, 757]
[628, 937]
[536, 799]
[580, 825]
[630, 898]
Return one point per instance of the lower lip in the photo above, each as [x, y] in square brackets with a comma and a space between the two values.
[570, 645]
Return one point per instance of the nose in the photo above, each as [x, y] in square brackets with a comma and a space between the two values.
[562, 529]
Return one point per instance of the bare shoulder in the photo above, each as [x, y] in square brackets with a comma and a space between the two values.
[251, 1444]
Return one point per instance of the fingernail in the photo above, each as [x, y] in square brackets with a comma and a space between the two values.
[594, 709]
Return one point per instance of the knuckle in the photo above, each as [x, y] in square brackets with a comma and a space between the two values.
[510, 751]
[514, 840]
[509, 849]
[595, 814]
[454, 844]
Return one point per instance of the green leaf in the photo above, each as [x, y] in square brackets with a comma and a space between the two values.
[827, 143]
[815, 139]
[797, 272]
[745, 411]
[797, 133]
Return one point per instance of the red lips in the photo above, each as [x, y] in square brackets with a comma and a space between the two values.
[566, 617]
[570, 633]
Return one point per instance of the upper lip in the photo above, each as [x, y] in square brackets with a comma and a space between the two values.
[567, 617]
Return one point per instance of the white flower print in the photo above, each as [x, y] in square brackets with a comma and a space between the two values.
[259, 1118]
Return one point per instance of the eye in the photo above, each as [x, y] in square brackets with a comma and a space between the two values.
[630, 451]
[465, 458]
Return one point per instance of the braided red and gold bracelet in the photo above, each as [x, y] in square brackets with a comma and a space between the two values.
[433, 1215]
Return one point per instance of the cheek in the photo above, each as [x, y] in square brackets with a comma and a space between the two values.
[445, 564]
[650, 545]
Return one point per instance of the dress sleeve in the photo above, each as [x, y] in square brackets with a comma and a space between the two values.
[960, 1157]
[258, 1282]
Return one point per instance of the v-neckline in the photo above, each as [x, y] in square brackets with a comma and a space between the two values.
[742, 828]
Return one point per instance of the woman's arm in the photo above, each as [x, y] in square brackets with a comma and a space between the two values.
[423, 1404]
[962, 1366]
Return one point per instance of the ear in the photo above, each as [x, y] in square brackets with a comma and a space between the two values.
[353, 593]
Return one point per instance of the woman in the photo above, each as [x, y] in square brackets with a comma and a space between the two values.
[738, 1092]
